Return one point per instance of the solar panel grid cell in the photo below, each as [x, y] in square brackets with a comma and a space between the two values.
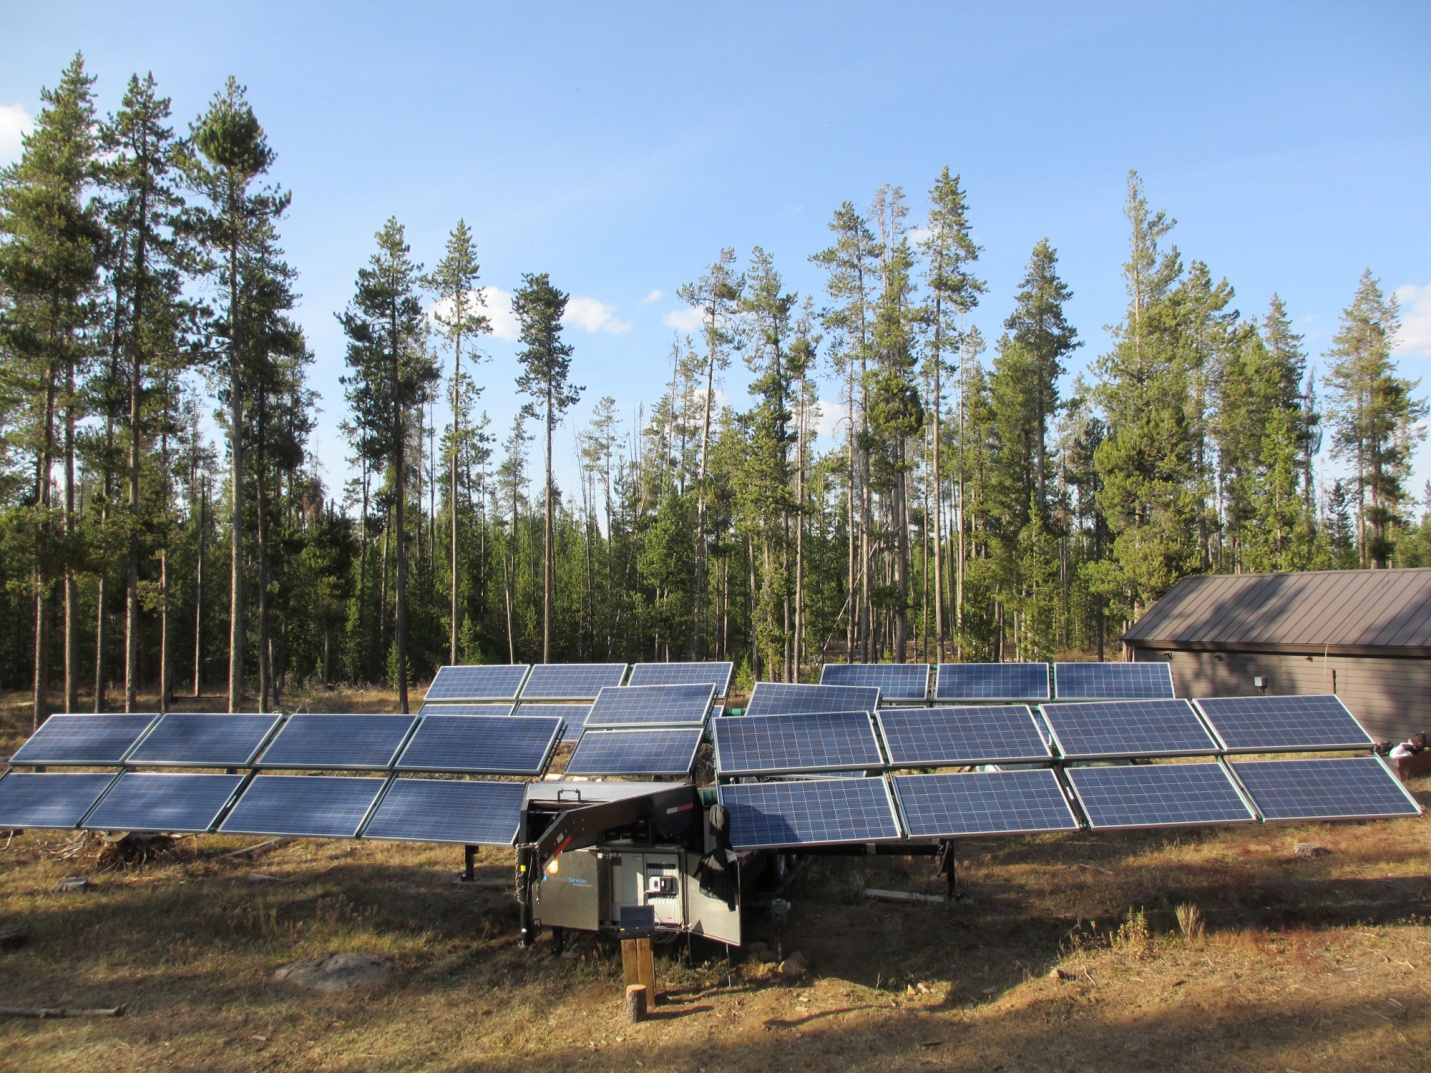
[669, 705]
[83, 739]
[199, 740]
[171, 802]
[571, 681]
[895, 681]
[992, 681]
[1158, 795]
[303, 806]
[809, 812]
[1339, 788]
[447, 810]
[983, 803]
[635, 752]
[500, 682]
[1268, 724]
[777, 744]
[938, 737]
[698, 673]
[1112, 729]
[780, 698]
[29, 799]
[1112, 681]
[480, 745]
[337, 742]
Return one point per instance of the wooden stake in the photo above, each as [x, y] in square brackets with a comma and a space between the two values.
[636, 1003]
[637, 965]
[58, 1011]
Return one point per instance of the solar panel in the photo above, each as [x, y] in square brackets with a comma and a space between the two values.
[992, 681]
[895, 681]
[28, 799]
[945, 737]
[673, 705]
[1271, 724]
[303, 806]
[447, 810]
[983, 803]
[466, 709]
[573, 716]
[1340, 788]
[501, 682]
[818, 741]
[198, 740]
[636, 752]
[780, 698]
[1127, 728]
[671, 674]
[480, 745]
[337, 742]
[571, 681]
[1157, 795]
[1112, 681]
[83, 739]
[150, 802]
[809, 812]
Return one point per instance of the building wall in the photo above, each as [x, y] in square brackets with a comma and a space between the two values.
[1391, 697]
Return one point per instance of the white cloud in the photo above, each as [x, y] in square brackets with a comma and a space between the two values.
[916, 235]
[683, 320]
[594, 315]
[654, 296]
[1414, 339]
[830, 419]
[14, 123]
[498, 309]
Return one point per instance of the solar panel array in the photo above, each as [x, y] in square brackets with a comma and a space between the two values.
[82, 740]
[895, 681]
[655, 751]
[781, 698]
[670, 674]
[1337, 788]
[1112, 681]
[444, 810]
[809, 812]
[983, 803]
[1098, 730]
[571, 681]
[200, 740]
[480, 745]
[1283, 724]
[1158, 795]
[948, 737]
[663, 705]
[142, 801]
[992, 682]
[337, 742]
[472, 683]
[778, 744]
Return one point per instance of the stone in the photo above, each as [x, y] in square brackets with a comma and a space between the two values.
[75, 885]
[1310, 850]
[338, 972]
[795, 966]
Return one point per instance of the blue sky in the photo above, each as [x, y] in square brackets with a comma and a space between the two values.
[618, 147]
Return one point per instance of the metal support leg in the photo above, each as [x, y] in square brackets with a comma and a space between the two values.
[469, 868]
[944, 862]
[525, 879]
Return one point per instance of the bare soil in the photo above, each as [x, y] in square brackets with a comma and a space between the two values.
[1065, 953]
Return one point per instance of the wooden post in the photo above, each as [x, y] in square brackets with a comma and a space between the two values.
[636, 1003]
[638, 967]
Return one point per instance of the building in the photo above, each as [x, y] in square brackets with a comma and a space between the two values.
[1364, 635]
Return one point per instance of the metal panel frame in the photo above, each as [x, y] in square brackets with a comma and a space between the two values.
[1391, 776]
[958, 761]
[1212, 748]
[1058, 693]
[509, 697]
[1070, 774]
[1047, 693]
[401, 764]
[1075, 821]
[697, 734]
[888, 799]
[1211, 721]
[797, 721]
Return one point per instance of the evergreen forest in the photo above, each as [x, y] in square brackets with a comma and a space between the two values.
[164, 527]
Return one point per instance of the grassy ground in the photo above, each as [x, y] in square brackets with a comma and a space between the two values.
[1067, 954]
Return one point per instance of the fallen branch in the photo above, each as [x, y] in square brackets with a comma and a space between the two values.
[262, 847]
[58, 1011]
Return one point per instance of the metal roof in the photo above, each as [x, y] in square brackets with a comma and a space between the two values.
[1345, 612]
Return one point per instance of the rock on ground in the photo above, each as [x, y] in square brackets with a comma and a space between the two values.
[338, 972]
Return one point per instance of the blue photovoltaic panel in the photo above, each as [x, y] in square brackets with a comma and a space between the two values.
[992, 681]
[779, 698]
[1340, 788]
[446, 810]
[337, 742]
[809, 812]
[197, 740]
[303, 806]
[501, 682]
[636, 752]
[480, 745]
[571, 681]
[466, 709]
[1108, 729]
[946, 737]
[674, 705]
[1112, 681]
[34, 800]
[687, 674]
[818, 741]
[895, 681]
[83, 739]
[573, 716]
[983, 803]
[1157, 795]
[149, 802]
[1273, 724]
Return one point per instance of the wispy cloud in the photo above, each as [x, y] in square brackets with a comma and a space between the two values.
[594, 315]
[654, 296]
[683, 320]
[497, 307]
[1414, 339]
[14, 123]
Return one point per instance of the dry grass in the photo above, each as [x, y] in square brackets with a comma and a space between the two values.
[1208, 950]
